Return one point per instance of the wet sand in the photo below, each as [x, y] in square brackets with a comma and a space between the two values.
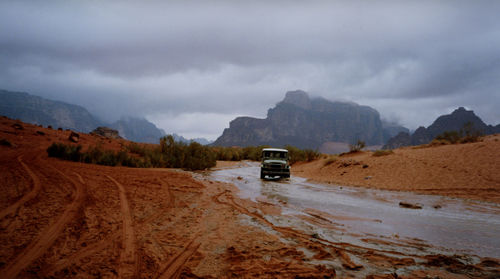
[469, 171]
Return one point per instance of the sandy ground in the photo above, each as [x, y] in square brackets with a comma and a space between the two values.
[470, 171]
[61, 219]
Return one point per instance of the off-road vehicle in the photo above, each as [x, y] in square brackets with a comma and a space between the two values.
[274, 163]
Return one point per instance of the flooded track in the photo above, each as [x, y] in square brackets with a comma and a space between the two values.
[374, 218]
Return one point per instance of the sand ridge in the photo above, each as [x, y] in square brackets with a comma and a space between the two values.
[470, 171]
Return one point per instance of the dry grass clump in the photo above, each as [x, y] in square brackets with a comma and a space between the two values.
[382, 152]
[330, 160]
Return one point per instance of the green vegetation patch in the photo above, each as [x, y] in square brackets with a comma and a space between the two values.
[168, 154]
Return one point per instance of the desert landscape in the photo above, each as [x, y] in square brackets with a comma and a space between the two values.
[468, 171]
[250, 139]
[62, 219]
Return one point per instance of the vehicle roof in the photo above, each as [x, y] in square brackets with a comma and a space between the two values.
[275, 149]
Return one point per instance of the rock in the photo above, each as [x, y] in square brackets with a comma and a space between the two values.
[420, 136]
[138, 130]
[456, 121]
[74, 137]
[106, 132]
[401, 140]
[306, 123]
[409, 205]
[37, 110]
[40, 133]
[17, 126]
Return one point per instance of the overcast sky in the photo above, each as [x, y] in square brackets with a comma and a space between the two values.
[191, 67]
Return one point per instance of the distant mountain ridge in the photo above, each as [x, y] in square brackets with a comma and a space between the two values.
[37, 110]
[308, 123]
[444, 123]
[138, 129]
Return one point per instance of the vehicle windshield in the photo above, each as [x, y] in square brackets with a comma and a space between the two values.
[274, 154]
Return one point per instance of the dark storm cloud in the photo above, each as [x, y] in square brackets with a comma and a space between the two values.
[176, 62]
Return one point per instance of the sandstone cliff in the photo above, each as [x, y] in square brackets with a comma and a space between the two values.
[307, 123]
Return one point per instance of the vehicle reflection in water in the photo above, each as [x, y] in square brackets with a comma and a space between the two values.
[450, 225]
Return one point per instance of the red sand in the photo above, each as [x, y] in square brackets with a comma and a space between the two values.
[470, 171]
[63, 219]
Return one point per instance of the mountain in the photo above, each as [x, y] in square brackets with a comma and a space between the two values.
[308, 123]
[444, 123]
[202, 141]
[37, 110]
[391, 129]
[138, 129]
[40, 111]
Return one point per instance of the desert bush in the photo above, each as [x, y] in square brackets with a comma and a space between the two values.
[330, 160]
[298, 155]
[382, 152]
[357, 146]
[64, 151]
[467, 134]
[449, 137]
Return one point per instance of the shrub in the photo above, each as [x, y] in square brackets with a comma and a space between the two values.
[66, 152]
[382, 152]
[449, 137]
[357, 146]
[5, 142]
[330, 160]
[467, 134]
[298, 155]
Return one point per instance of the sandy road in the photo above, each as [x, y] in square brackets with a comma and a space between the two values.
[174, 265]
[128, 258]
[47, 237]
[32, 194]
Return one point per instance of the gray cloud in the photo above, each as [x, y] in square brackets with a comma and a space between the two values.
[174, 62]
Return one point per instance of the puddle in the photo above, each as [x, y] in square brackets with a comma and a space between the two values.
[458, 226]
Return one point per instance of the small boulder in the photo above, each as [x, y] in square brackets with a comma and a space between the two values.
[106, 132]
[410, 205]
[17, 126]
[74, 137]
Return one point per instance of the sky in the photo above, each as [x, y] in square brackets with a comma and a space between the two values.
[190, 67]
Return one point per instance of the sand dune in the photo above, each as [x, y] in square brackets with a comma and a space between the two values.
[469, 170]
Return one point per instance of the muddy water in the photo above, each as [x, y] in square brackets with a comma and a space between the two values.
[443, 225]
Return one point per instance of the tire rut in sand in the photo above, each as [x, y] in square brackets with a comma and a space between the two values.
[174, 266]
[108, 240]
[128, 257]
[46, 237]
[33, 193]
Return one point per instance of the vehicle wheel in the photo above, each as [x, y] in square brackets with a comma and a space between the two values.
[262, 176]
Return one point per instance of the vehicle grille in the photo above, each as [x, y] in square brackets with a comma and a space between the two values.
[275, 166]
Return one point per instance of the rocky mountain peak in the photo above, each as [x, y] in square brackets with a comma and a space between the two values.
[298, 98]
[306, 123]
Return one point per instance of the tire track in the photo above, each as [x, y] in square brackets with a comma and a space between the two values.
[174, 266]
[341, 249]
[107, 241]
[46, 237]
[128, 257]
[32, 194]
